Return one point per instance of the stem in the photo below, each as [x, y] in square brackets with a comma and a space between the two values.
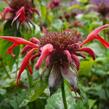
[29, 79]
[63, 95]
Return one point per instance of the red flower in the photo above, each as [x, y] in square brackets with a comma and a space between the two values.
[60, 51]
[53, 4]
[19, 10]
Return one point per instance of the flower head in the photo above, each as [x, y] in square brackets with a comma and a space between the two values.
[19, 11]
[53, 4]
[59, 51]
[101, 6]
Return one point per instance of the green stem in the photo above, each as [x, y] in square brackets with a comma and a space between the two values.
[63, 95]
[29, 79]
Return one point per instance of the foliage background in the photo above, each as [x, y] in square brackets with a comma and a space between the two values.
[93, 76]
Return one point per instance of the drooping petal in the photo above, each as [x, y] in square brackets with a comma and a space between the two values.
[76, 60]
[106, 44]
[34, 56]
[89, 51]
[68, 55]
[18, 40]
[26, 49]
[94, 35]
[24, 63]
[35, 40]
[69, 74]
[55, 78]
[10, 49]
[45, 51]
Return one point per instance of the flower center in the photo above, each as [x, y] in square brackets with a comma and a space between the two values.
[61, 41]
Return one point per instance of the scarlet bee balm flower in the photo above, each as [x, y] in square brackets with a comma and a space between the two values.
[101, 6]
[60, 50]
[53, 4]
[19, 10]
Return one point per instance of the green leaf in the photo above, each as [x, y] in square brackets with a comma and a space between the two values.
[85, 67]
[34, 92]
[73, 101]
[57, 25]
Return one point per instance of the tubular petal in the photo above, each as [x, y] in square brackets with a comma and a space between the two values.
[24, 63]
[34, 56]
[94, 34]
[76, 60]
[68, 55]
[89, 51]
[106, 44]
[45, 51]
[35, 40]
[19, 41]
[10, 49]
[26, 49]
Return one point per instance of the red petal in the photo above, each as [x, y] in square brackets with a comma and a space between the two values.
[18, 40]
[93, 34]
[26, 49]
[15, 18]
[89, 51]
[68, 55]
[10, 49]
[45, 51]
[6, 10]
[24, 63]
[76, 60]
[35, 40]
[81, 54]
[34, 56]
[106, 44]
[20, 14]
